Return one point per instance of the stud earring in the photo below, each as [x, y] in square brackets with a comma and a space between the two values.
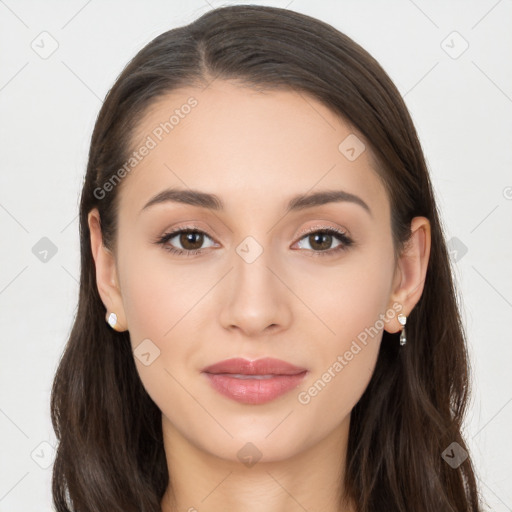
[402, 319]
[112, 321]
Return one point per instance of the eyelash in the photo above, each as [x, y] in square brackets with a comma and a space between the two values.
[346, 242]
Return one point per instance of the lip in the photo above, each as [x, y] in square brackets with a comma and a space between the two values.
[254, 382]
[264, 366]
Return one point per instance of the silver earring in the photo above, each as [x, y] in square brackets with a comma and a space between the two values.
[402, 319]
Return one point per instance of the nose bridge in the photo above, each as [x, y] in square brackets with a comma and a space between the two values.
[256, 298]
[252, 276]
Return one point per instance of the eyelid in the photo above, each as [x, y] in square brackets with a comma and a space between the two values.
[323, 227]
[172, 232]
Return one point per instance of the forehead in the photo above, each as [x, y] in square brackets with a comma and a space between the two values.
[247, 146]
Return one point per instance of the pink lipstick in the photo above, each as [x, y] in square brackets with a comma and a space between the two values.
[254, 382]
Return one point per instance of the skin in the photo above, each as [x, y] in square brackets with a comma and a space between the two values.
[255, 151]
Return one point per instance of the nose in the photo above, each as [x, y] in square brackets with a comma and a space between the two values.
[257, 298]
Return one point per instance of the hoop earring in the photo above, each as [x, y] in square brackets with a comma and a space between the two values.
[402, 319]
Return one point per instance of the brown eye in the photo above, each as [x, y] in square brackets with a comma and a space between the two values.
[186, 242]
[320, 241]
[191, 241]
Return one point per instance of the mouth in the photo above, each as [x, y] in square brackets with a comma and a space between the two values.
[254, 382]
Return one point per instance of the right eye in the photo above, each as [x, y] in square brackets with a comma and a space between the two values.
[190, 239]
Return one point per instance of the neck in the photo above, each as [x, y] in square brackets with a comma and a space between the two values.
[311, 479]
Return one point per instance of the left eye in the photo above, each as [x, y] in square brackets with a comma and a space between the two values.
[191, 241]
[320, 241]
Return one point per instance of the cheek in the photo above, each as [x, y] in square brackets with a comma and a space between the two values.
[346, 298]
[157, 294]
[352, 309]
[163, 308]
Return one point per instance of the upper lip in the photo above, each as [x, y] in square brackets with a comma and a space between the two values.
[265, 366]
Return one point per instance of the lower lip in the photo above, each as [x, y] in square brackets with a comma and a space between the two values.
[254, 391]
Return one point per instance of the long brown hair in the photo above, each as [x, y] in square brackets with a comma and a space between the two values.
[110, 455]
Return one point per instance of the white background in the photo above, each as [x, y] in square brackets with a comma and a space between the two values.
[462, 108]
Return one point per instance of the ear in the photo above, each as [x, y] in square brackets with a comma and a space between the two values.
[410, 272]
[106, 272]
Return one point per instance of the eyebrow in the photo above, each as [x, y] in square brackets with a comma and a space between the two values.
[214, 202]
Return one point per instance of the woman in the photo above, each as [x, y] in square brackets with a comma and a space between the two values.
[267, 318]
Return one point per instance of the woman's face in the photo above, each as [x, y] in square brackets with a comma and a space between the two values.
[269, 281]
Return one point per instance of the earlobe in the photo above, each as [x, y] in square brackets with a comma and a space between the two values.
[106, 274]
[411, 271]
